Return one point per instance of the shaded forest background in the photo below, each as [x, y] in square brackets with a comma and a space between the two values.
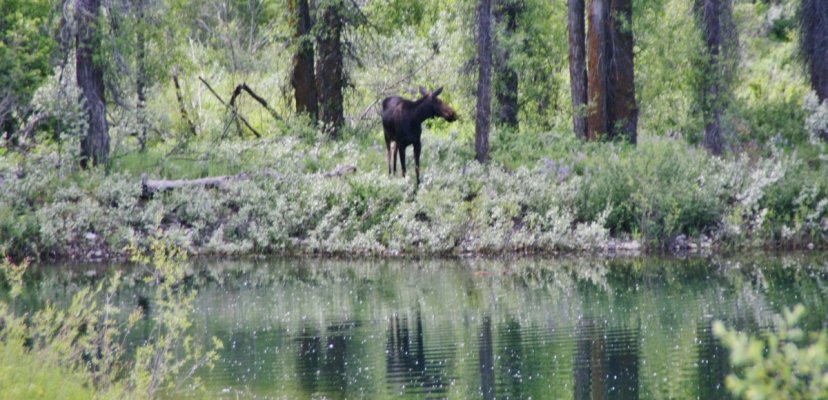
[735, 64]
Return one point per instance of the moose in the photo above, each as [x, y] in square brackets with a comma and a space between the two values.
[402, 122]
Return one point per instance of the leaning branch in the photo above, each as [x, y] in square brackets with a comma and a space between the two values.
[231, 107]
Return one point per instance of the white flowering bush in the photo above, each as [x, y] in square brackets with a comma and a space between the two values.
[816, 120]
[581, 198]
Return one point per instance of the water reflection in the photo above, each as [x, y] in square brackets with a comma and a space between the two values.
[606, 362]
[407, 369]
[618, 329]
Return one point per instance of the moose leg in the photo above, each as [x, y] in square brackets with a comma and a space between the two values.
[395, 148]
[402, 160]
[388, 156]
[417, 148]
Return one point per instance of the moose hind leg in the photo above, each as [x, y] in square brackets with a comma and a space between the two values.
[395, 148]
[402, 160]
[388, 156]
[417, 148]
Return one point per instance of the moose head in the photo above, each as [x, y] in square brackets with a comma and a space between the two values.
[437, 106]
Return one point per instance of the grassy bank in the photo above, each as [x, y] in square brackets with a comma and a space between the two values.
[560, 195]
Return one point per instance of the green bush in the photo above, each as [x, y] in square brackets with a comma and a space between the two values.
[786, 364]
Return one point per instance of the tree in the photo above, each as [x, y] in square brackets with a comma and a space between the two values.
[302, 75]
[95, 145]
[484, 80]
[577, 66]
[714, 16]
[506, 78]
[598, 120]
[610, 77]
[814, 21]
[330, 74]
[141, 74]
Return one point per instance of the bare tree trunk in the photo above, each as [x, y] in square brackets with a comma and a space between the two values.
[622, 108]
[484, 80]
[711, 107]
[95, 145]
[302, 76]
[814, 21]
[598, 85]
[330, 75]
[506, 86]
[141, 78]
[181, 106]
[577, 66]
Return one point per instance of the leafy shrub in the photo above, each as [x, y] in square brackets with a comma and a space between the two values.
[787, 364]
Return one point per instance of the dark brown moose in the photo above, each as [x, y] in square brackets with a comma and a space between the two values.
[402, 121]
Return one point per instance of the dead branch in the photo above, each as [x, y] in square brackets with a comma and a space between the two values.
[258, 98]
[231, 107]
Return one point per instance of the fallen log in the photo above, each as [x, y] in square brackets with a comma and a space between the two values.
[151, 186]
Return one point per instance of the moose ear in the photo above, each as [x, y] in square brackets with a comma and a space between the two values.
[438, 91]
[423, 91]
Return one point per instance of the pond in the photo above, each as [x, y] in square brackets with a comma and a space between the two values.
[471, 328]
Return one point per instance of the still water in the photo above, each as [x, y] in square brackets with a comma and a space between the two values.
[520, 329]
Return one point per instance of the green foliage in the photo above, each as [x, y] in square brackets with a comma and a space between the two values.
[77, 349]
[26, 46]
[787, 364]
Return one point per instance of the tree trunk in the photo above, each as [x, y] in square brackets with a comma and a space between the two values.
[711, 107]
[484, 80]
[577, 66]
[598, 119]
[141, 76]
[610, 79]
[622, 108]
[330, 77]
[302, 76]
[95, 145]
[814, 20]
[506, 86]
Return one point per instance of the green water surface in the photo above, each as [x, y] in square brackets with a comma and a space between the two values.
[525, 328]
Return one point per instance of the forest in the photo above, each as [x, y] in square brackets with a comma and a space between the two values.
[254, 127]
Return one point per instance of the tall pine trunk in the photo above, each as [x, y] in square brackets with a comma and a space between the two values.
[484, 80]
[302, 76]
[506, 78]
[814, 21]
[612, 109]
[577, 66]
[95, 145]
[622, 107]
[598, 51]
[330, 77]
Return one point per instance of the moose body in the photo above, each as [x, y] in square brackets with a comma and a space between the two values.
[402, 122]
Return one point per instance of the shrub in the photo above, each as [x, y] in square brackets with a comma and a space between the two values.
[787, 364]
